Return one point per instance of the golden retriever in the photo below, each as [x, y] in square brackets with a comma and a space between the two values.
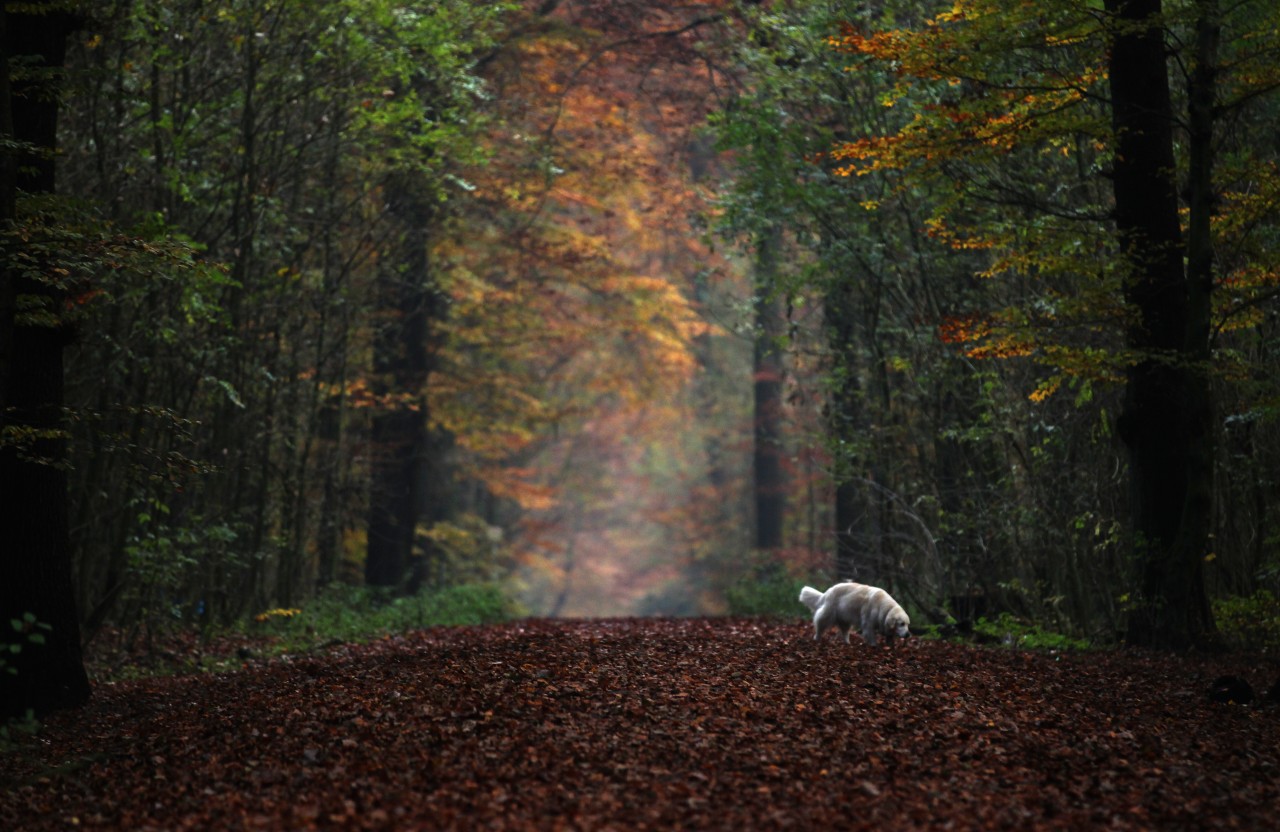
[847, 605]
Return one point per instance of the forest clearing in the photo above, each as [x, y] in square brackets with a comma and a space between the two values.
[660, 724]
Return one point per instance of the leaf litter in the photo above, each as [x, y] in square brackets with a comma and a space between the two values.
[659, 724]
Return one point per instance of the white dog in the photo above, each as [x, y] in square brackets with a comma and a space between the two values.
[847, 605]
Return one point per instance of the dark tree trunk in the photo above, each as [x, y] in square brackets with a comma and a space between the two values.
[1167, 418]
[328, 535]
[857, 532]
[436, 495]
[399, 428]
[403, 453]
[769, 474]
[35, 557]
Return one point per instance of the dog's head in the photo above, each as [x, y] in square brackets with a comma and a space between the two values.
[898, 624]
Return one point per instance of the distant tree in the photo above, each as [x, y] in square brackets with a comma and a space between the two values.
[769, 479]
[430, 120]
[405, 345]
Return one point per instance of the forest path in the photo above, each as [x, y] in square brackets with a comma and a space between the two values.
[658, 724]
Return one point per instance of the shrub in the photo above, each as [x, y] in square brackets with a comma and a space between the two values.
[26, 631]
[362, 613]
[13, 729]
[468, 604]
[1250, 622]
[770, 593]
[1012, 631]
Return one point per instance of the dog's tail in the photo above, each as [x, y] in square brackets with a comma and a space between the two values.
[810, 598]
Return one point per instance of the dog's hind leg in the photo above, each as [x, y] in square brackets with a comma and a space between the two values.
[822, 621]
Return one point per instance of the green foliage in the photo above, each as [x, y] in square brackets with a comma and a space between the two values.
[172, 562]
[27, 630]
[466, 550]
[12, 729]
[221, 286]
[419, 81]
[1251, 622]
[767, 592]
[1012, 631]
[340, 614]
[466, 605]
[364, 613]
[76, 264]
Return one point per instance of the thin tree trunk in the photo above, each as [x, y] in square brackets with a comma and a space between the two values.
[769, 473]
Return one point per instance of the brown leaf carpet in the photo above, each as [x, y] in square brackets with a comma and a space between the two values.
[659, 724]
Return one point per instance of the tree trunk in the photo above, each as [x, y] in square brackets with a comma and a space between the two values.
[1167, 418]
[769, 474]
[404, 350]
[857, 507]
[35, 559]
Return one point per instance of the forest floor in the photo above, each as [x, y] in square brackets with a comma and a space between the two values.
[659, 724]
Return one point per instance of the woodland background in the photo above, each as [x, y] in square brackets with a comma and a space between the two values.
[637, 308]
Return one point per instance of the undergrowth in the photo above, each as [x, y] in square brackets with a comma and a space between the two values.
[338, 615]
[361, 613]
[1005, 630]
[1251, 622]
[1011, 631]
[774, 595]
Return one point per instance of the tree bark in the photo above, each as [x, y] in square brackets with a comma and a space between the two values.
[1167, 418]
[857, 530]
[404, 453]
[35, 559]
[769, 475]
